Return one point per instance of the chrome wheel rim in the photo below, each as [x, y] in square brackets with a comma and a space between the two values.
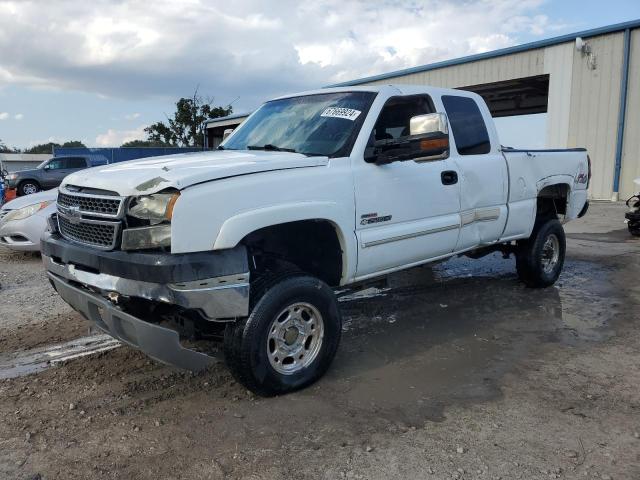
[295, 338]
[29, 188]
[550, 253]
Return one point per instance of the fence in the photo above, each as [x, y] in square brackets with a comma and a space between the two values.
[113, 155]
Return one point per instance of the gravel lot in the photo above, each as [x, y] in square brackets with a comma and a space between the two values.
[455, 371]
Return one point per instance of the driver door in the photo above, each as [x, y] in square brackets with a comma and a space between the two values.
[407, 211]
[58, 168]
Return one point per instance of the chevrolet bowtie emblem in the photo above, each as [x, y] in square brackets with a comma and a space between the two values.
[72, 214]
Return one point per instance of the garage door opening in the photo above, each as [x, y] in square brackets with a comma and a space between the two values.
[519, 107]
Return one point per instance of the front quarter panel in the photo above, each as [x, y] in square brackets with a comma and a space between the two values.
[219, 214]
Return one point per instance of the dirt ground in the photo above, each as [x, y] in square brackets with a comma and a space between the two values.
[455, 371]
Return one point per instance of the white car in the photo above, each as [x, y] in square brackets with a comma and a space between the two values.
[24, 220]
[317, 191]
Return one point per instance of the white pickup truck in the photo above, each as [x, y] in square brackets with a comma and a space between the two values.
[313, 192]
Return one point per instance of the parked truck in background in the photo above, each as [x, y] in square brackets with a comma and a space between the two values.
[48, 174]
[322, 190]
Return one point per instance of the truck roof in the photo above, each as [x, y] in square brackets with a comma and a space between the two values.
[398, 89]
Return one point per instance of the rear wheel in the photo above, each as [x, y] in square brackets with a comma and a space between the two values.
[540, 258]
[290, 338]
[634, 228]
[28, 187]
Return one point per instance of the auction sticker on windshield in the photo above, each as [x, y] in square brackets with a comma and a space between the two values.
[341, 112]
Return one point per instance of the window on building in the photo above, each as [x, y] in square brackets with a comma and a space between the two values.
[467, 125]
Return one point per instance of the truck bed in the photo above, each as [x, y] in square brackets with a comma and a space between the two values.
[531, 170]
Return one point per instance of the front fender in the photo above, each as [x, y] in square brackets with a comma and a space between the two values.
[234, 229]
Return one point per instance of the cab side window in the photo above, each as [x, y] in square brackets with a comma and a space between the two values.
[393, 122]
[467, 125]
[56, 164]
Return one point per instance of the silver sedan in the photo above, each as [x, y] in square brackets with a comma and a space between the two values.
[24, 220]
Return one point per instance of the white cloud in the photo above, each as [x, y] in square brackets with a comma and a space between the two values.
[256, 50]
[132, 116]
[4, 115]
[18, 116]
[115, 138]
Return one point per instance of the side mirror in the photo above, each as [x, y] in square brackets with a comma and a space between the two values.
[46, 167]
[428, 139]
[429, 124]
[226, 133]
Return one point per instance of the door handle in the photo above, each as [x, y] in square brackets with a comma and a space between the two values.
[449, 177]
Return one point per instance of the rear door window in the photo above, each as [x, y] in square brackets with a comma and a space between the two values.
[75, 162]
[467, 125]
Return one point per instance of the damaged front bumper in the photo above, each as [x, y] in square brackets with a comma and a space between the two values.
[160, 343]
[214, 284]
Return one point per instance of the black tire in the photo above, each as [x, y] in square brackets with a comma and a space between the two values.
[246, 341]
[634, 228]
[532, 254]
[28, 187]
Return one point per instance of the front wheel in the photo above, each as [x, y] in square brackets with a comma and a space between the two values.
[540, 258]
[289, 340]
[28, 187]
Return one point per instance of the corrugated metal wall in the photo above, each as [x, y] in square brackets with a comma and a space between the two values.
[525, 64]
[631, 152]
[557, 63]
[595, 98]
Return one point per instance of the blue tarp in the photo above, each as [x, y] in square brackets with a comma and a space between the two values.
[112, 155]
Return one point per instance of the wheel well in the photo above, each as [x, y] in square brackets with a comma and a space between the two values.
[313, 246]
[552, 201]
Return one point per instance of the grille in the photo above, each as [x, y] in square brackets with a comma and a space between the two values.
[102, 235]
[91, 205]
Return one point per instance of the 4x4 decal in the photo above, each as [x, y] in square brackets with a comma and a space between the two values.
[369, 218]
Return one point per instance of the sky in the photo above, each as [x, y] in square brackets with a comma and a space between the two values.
[100, 71]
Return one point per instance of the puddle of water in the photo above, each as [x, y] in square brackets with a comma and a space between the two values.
[452, 331]
[614, 236]
[32, 361]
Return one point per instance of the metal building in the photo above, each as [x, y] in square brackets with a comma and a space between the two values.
[587, 82]
[215, 128]
[13, 162]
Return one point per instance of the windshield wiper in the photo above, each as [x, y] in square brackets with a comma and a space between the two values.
[270, 147]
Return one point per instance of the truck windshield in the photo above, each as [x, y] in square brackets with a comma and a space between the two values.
[324, 124]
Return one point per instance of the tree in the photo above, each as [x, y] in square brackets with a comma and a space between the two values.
[48, 147]
[42, 148]
[145, 144]
[5, 149]
[186, 127]
[74, 144]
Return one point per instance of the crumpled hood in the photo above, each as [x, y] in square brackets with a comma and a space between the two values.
[150, 175]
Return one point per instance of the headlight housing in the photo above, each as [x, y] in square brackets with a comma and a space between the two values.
[25, 212]
[155, 209]
[152, 215]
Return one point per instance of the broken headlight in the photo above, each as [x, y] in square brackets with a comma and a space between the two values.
[152, 213]
[155, 209]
